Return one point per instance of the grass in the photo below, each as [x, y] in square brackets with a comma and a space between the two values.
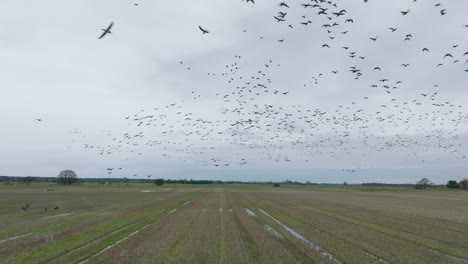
[355, 224]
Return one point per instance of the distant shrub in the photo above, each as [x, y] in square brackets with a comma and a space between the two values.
[453, 184]
[276, 185]
[159, 182]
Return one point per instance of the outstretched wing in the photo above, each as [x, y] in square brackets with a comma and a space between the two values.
[103, 34]
[110, 26]
[107, 30]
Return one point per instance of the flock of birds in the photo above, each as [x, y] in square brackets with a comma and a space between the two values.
[26, 207]
[252, 120]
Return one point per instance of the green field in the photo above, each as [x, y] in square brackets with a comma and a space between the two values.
[139, 223]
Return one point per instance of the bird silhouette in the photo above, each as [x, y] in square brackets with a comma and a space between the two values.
[204, 31]
[283, 4]
[106, 30]
[25, 208]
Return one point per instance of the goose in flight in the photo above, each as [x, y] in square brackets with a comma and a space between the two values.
[106, 31]
[203, 30]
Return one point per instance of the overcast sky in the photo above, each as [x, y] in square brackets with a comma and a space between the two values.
[254, 99]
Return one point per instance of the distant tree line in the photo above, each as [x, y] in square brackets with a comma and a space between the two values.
[27, 179]
[67, 178]
[378, 184]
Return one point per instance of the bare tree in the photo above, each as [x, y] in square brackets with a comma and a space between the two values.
[423, 183]
[66, 177]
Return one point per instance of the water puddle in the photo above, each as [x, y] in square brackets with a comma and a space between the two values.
[250, 213]
[14, 238]
[272, 231]
[303, 239]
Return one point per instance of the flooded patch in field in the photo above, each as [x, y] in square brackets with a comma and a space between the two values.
[53, 216]
[230, 210]
[153, 190]
[250, 213]
[173, 210]
[303, 239]
[381, 260]
[272, 231]
[14, 238]
[220, 210]
[186, 203]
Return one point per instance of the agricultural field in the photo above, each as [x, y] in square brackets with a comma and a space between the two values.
[231, 224]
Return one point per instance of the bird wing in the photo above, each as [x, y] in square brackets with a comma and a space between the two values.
[107, 30]
[103, 34]
[204, 30]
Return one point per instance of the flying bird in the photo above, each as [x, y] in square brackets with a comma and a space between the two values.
[203, 30]
[106, 31]
[279, 19]
[25, 208]
[448, 55]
